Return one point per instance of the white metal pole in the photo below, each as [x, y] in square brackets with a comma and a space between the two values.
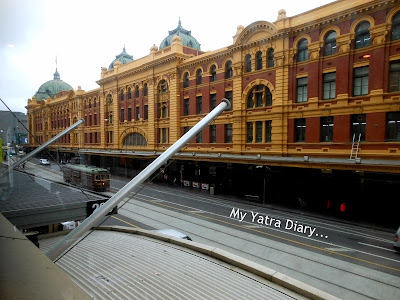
[95, 217]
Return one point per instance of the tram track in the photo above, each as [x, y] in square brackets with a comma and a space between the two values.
[152, 214]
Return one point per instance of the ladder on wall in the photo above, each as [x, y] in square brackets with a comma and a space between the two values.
[355, 146]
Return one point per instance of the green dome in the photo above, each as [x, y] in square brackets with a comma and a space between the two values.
[52, 87]
[123, 58]
[187, 39]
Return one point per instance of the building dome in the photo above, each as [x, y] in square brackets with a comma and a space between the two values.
[52, 87]
[187, 39]
[123, 58]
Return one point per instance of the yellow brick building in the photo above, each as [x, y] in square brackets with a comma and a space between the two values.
[317, 93]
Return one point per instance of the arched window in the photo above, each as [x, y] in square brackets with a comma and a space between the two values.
[259, 96]
[330, 43]
[186, 80]
[248, 63]
[199, 76]
[135, 139]
[162, 87]
[213, 73]
[109, 99]
[302, 50]
[259, 60]
[270, 58]
[137, 91]
[129, 93]
[228, 69]
[122, 95]
[396, 27]
[145, 90]
[363, 38]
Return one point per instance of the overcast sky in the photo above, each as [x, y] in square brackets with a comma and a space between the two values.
[86, 35]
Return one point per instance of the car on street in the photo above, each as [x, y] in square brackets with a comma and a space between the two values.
[174, 233]
[397, 240]
[44, 162]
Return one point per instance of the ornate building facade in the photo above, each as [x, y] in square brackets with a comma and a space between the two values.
[317, 94]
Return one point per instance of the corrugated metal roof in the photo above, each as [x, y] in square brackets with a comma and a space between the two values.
[120, 265]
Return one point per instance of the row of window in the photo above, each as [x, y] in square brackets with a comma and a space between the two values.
[136, 116]
[362, 39]
[199, 103]
[213, 74]
[358, 127]
[213, 133]
[360, 83]
[128, 95]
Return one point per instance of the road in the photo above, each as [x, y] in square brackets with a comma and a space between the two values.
[350, 261]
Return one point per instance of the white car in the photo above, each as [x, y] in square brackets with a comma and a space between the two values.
[44, 161]
[397, 240]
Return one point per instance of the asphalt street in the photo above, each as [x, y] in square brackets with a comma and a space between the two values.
[348, 260]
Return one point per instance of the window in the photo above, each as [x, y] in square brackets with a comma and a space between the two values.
[330, 43]
[109, 99]
[394, 76]
[396, 27]
[199, 105]
[94, 119]
[326, 129]
[250, 100]
[186, 107]
[164, 110]
[268, 131]
[259, 60]
[213, 73]
[213, 101]
[122, 96]
[249, 130]
[300, 130]
[259, 131]
[248, 63]
[393, 126]
[362, 35]
[137, 113]
[163, 87]
[213, 133]
[186, 80]
[358, 125]
[145, 90]
[270, 58]
[199, 78]
[302, 84]
[302, 50]
[329, 88]
[129, 113]
[199, 137]
[228, 133]
[135, 139]
[146, 112]
[361, 81]
[137, 91]
[259, 95]
[228, 96]
[185, 129]
[129, 93]
[228, 69]
[164, 135]
[122, 118]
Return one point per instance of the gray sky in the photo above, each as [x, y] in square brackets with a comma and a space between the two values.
[86, 35]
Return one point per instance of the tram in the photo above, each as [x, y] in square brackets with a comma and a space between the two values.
[89, 177]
